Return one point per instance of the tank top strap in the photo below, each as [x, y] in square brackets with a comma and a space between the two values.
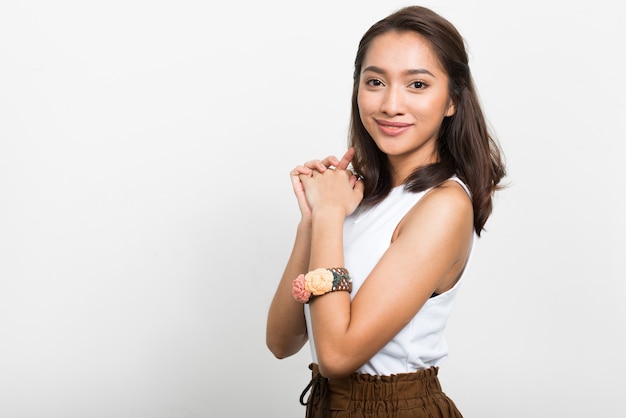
[462, 184]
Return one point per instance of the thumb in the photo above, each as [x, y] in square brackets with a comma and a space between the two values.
[345, 160]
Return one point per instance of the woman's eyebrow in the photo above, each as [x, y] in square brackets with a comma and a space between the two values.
[381, 71]
[419, 71]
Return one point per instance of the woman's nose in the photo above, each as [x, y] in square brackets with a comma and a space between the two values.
[393, 102]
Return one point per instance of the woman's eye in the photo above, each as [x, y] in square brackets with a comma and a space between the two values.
[418, 84]
[374, 82]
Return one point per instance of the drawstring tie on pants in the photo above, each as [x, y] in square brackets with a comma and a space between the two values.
[319, 394]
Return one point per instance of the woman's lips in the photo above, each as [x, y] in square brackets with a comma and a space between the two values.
[393, 128]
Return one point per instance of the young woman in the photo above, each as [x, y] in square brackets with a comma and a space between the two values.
[382, 245]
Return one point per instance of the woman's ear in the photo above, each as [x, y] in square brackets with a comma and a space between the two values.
[451, 108]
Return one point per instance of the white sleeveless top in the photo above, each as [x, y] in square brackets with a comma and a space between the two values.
[367, 235]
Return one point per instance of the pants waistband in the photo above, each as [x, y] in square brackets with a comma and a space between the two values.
[337, 394]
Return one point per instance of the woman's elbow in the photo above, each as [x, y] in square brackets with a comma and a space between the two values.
[278, 352]
[335, 366]
[283, 349]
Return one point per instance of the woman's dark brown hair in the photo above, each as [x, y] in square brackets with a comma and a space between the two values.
[465, 146]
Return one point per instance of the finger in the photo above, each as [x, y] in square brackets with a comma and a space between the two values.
[345, 160]
[316, 165]
[301, 170]
[295, 177]
[330, 161]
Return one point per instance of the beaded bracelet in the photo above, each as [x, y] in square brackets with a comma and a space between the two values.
[320, 281]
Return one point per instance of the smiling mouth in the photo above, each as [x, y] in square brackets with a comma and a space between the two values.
[392, 128]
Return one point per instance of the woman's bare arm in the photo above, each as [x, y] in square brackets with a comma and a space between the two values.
[286, 326]
[428, 254]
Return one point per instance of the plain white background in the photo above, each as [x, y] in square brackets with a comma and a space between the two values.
[146, 211]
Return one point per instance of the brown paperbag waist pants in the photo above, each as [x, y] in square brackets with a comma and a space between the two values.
[407, 395]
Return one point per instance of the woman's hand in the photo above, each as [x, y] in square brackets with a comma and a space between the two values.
[333, 189]
[319, 166]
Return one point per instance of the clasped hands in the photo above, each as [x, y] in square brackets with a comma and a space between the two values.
[327, 185]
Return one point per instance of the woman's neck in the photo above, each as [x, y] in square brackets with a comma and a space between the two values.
[401, 167]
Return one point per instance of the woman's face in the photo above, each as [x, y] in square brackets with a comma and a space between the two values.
[403, 97]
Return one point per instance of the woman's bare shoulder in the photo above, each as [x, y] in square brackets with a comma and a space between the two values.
[444, 206]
